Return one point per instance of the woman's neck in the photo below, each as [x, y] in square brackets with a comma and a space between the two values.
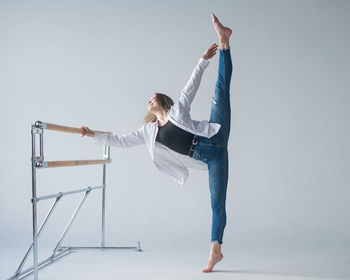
[161, 118]
[162, 121]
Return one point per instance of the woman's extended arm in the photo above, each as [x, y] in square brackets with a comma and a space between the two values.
[125, 140]
[210, 52]
[189, 91]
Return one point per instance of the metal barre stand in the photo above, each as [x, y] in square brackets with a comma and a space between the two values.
[38, 162]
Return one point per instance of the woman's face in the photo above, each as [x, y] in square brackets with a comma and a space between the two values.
[153, 105]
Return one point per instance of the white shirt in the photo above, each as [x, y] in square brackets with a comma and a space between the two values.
[169, 162]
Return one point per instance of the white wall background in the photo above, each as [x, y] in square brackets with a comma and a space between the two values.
[97, 63]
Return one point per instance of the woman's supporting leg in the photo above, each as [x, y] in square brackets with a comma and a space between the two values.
[218, 178]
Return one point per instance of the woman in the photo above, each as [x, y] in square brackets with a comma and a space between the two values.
[176, 142]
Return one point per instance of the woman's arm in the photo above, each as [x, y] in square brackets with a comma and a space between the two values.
[125, 140]
[210, 52]
[189, 91]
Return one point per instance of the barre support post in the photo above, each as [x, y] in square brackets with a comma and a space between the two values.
[34, 205]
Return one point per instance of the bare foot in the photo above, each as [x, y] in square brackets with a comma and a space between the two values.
[213, 260]
[224, 33]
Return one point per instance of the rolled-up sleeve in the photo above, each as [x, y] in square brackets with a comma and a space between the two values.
[134, 138]
[191, 87]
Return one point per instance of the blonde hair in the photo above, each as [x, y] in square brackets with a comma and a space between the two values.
[165, 103]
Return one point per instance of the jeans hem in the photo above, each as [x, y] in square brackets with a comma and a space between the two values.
[217, 241]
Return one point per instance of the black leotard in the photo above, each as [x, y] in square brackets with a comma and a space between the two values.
[175, 138]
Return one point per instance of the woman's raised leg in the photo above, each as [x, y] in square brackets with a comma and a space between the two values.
[221, 109]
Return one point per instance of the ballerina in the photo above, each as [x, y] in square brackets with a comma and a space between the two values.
[176, 142]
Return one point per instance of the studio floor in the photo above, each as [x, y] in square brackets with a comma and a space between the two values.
[187, 263]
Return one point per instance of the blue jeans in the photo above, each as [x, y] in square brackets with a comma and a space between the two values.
[213, 151]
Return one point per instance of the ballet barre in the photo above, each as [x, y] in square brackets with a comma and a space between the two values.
[38, 162]
[62, 128]
[47, 164]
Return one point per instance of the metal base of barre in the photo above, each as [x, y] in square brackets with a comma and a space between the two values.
[137, 248]
[63, 251]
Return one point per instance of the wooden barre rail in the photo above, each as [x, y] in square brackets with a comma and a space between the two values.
[47, 164]
[63, 128]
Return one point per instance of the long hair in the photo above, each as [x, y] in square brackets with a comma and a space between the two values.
[164, 101]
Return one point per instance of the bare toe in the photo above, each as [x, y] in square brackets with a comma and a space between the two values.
[223, 32]
[207, 270]
[213, 260]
